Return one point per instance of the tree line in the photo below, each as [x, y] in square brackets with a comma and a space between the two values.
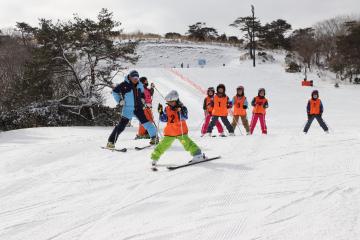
[56, 60]
[76, 59]
[332, 44]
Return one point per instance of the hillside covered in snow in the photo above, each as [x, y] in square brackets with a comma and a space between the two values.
[57, 183]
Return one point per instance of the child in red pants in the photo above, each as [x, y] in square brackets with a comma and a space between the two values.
[208, 108]
[260, 104]
[148, 95]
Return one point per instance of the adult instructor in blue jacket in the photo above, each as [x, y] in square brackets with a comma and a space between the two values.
[130, 95]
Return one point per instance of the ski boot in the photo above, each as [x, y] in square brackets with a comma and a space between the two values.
[110, 145]
[154, 163]
[154, 141]
[198, 157]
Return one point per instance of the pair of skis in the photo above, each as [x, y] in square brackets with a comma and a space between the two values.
[154, 168]
[125, 149]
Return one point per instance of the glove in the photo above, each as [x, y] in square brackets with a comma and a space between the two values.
[309, 115]
[245, 106]
[183, 111]
[122, 103]
[143, 101]
[152, 85]
[160, 109]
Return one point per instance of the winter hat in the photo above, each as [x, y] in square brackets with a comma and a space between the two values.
[238, 88]
[261, 89]
[210, 89]
[143, 80]
[134, 73]
[315, 92]
[172, 96]
[220, 86]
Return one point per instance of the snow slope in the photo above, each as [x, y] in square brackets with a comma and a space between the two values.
[56, 183]
[172, 54]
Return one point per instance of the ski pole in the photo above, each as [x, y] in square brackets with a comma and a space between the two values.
[159, 93]
[200, 125]
[181, 126]
[156, 125]
[237, 122]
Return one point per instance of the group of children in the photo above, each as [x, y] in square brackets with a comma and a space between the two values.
[217, 106]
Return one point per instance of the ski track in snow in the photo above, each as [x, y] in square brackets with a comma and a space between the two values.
[58, 184]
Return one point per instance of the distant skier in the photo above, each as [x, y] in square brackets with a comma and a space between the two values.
[315, 110]
[260, 104]
[130, 95]
[175, 115]
[220, 105]
[148, 94]
[208, 108]
[240, 105]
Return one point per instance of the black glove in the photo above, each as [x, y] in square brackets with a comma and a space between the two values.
[160, 109]
[245, 106]
[183, 110]
[309, 115]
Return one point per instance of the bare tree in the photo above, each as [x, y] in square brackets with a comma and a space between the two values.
[303, 42]
[326, 33]
[13, 57]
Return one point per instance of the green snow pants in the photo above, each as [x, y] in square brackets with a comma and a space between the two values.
[166, 142]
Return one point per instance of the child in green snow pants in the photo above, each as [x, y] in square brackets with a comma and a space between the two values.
[167, 141]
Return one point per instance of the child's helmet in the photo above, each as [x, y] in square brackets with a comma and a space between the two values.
[315, 92]
[172, 96]
[220, 86]
[260, 90]
[143, 80]
[210, 89]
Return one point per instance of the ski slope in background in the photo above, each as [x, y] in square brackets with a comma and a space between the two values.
[56, 183]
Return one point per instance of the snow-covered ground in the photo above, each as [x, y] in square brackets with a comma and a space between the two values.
[153, 54]
[56, 183]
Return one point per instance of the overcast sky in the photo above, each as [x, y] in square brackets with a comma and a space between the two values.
[161, 16]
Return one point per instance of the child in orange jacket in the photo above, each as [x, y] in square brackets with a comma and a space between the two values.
[240, 105]
[220, 105]
[208, 108]
[314, 110]
[260, 104]
[175, 115]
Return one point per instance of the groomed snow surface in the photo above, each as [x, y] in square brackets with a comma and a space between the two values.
[58, 184]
